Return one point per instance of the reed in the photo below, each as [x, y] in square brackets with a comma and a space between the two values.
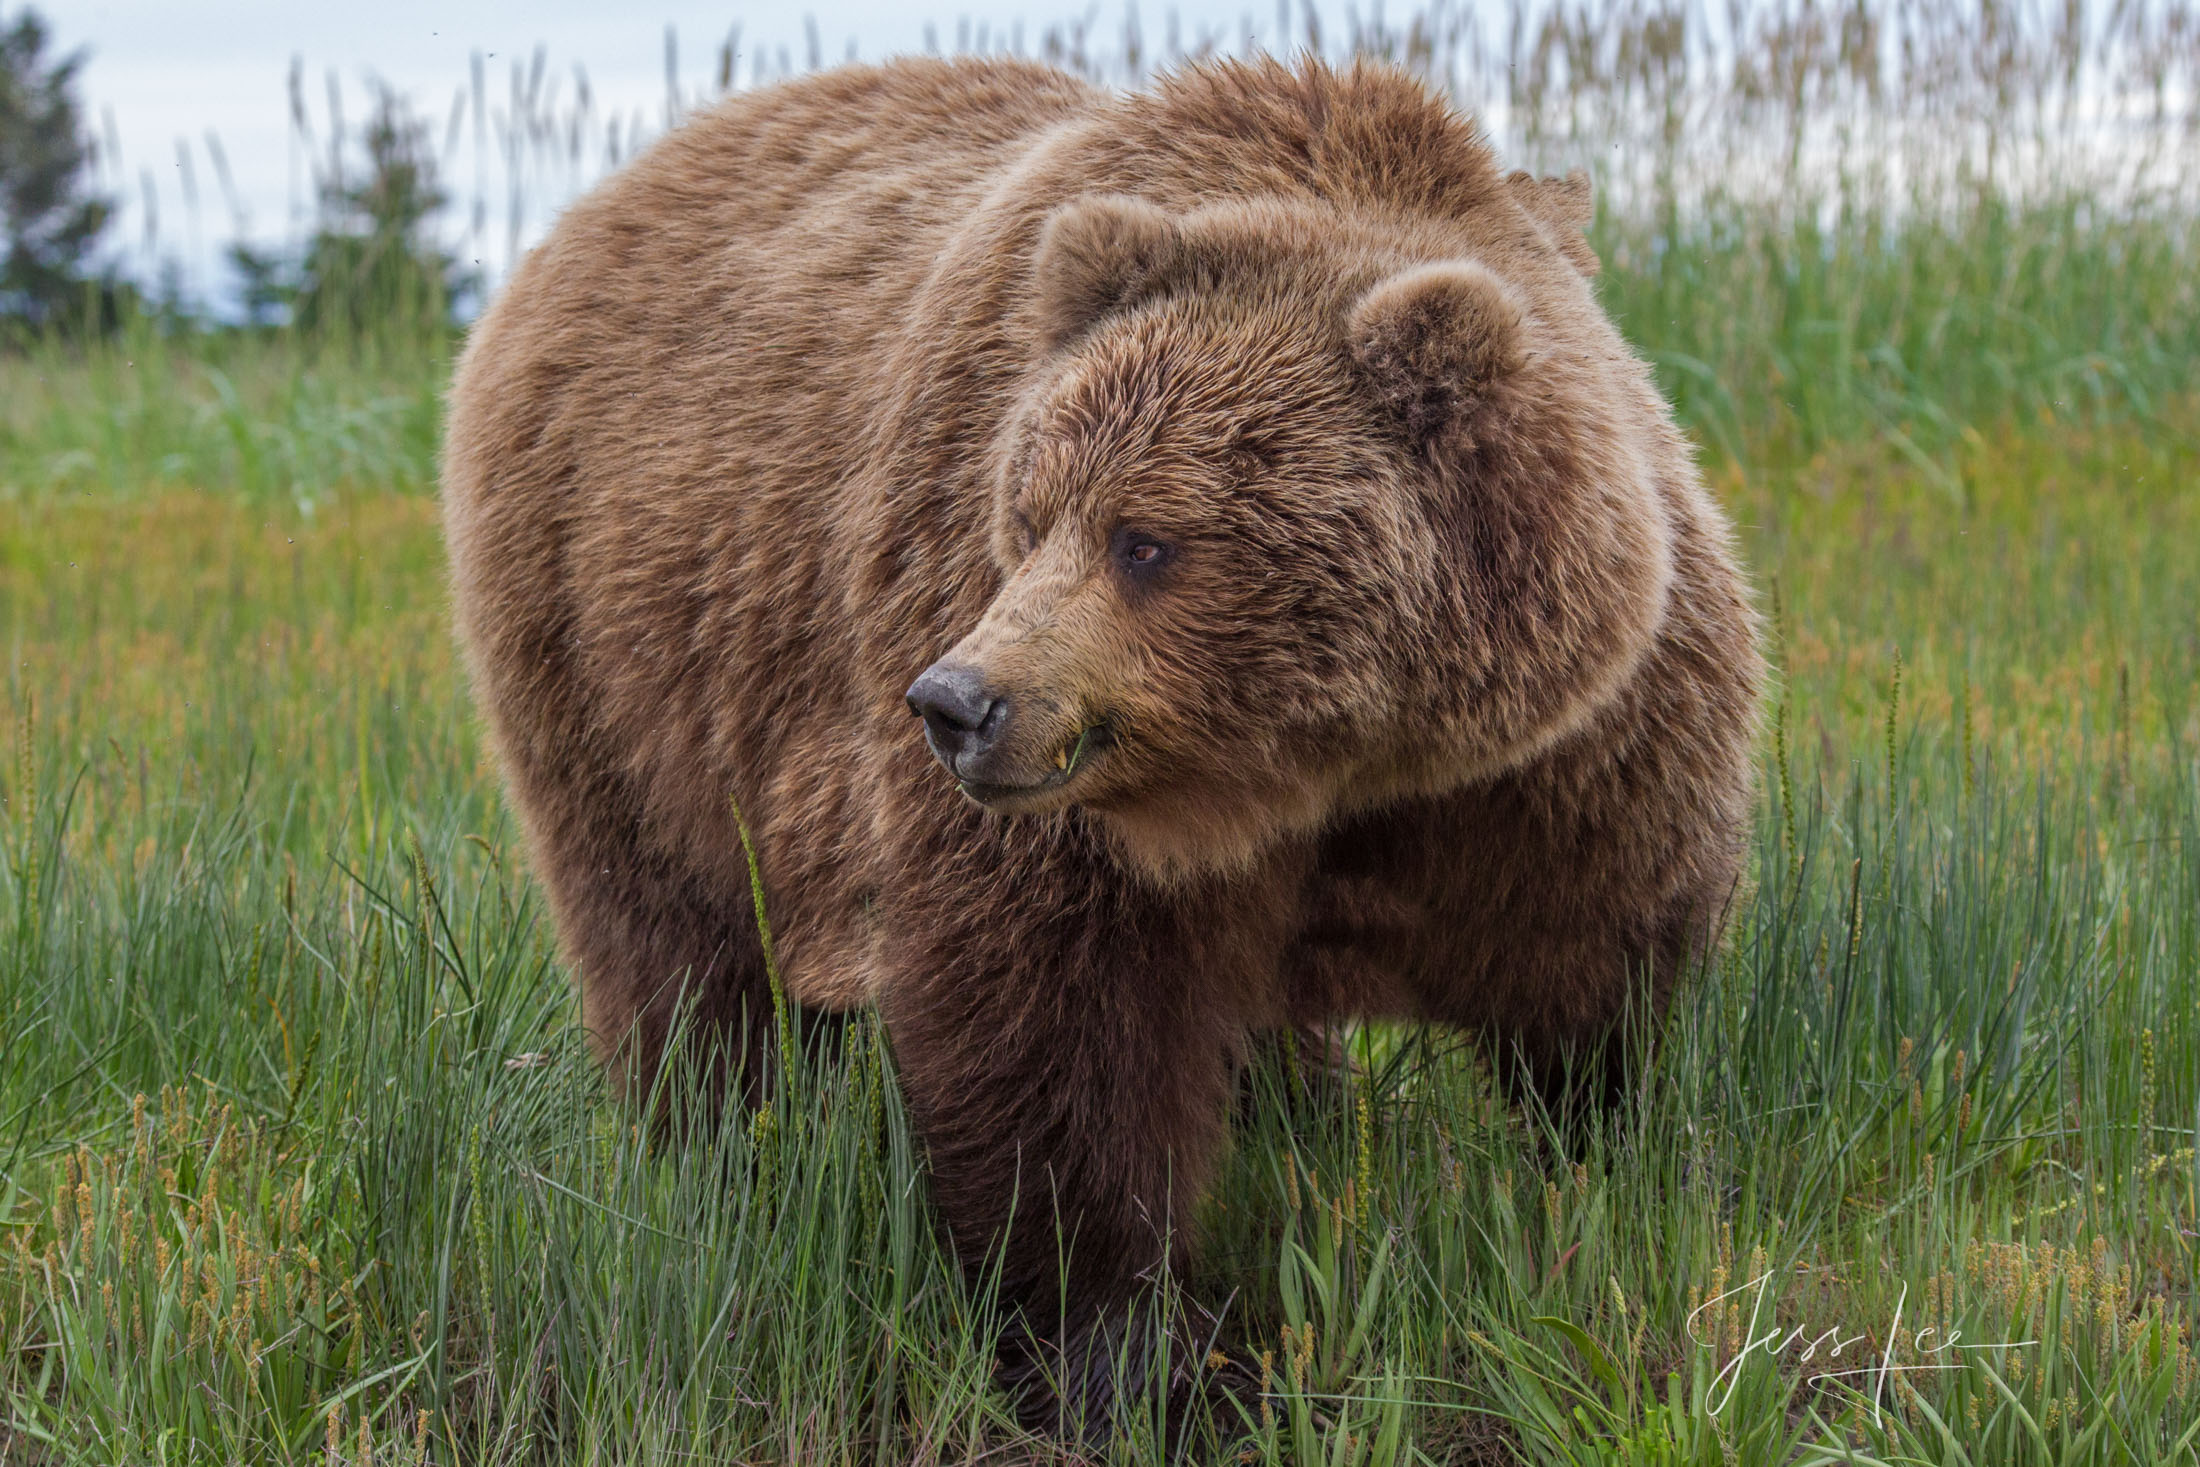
[1906, 220]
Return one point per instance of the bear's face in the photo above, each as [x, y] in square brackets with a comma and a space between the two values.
[1231, 582]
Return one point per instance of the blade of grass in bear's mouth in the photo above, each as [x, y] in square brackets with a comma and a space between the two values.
[1094, 735]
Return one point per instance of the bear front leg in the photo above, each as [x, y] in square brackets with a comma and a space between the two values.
[1067, 1052]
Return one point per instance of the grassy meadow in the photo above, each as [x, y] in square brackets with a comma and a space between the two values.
[301, 1156]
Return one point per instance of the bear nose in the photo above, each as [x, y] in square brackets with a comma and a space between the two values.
[961, 715]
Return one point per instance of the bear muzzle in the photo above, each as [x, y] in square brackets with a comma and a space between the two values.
[972, 729]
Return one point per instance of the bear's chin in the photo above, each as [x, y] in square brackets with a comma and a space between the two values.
[1176, 841]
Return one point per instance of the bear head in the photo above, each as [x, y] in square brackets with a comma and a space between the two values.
[1303, 511]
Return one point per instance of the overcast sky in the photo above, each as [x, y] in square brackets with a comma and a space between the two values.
[162, 72]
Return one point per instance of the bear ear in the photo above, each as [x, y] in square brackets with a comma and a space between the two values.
[1098, 255]
[1564, 207]
[1435, 340]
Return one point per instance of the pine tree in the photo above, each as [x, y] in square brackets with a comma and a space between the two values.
[373, 259]
[50, 217]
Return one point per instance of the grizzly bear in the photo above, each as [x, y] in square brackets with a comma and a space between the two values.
[1147, 569]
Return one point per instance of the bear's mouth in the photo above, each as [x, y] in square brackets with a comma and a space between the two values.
[1070, 760]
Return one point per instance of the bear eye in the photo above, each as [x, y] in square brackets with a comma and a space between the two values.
[1140, 553]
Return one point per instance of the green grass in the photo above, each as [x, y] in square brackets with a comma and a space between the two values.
[1776, 338]
[1781, 338]
[301, 1156]
[274, 417]
[298, 1131]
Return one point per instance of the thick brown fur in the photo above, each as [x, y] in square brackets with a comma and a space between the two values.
[1438, 706]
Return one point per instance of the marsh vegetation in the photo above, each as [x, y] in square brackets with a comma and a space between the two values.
[302, 1155]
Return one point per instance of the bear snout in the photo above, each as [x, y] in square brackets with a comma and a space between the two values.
[1006, 749]
[963, 718]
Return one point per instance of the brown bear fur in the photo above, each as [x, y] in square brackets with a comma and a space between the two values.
[1435, 702]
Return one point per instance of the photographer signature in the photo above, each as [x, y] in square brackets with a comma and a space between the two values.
[1774, 1344]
